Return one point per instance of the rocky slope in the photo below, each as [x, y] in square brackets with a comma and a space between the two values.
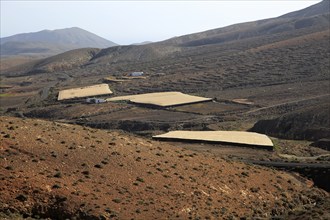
[55, 170]
[312, 123]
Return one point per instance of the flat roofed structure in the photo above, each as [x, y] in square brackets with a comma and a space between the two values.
[95, 90]
[234, 137]
[162, 99]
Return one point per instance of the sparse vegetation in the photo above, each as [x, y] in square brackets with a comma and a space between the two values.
[98, 166]
[139, 179]
[105, 173]
[58, 175]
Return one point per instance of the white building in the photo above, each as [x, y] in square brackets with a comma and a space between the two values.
[137, 74]
[95, 100]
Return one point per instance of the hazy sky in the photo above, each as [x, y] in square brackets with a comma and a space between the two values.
[127, 22]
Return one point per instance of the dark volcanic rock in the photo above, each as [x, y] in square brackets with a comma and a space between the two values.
[308, 124]
[322, 143]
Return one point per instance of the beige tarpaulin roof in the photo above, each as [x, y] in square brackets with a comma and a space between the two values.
[237, 137]
[100, 89]
[163, 99]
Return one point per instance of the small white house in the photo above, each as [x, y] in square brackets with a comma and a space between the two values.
[137, 74]
[95, 100]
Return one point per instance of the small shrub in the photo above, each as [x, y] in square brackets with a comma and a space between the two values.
[21, 197]
[98, 166]
[117, 200]
[254, 189]
[245, 174]
[58, 175]
[56, 186]
[9, 168]
[86, 172]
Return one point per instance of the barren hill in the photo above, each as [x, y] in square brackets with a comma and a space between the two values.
[310, 20]
[273, 62]
[317, 9]
[108, 174]
[316, 15]
[64, 61]
[98, 161]
[51, 42]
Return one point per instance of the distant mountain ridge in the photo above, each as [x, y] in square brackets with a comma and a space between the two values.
[52, 42]
[317, 14]
[317, 9]
[187, 45]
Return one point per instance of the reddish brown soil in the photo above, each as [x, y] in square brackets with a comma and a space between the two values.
[56, 170]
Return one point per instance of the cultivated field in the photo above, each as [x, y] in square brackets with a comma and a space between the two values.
[99, 160]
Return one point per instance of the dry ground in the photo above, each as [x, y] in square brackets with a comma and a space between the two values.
[50, 167]
[57, 170]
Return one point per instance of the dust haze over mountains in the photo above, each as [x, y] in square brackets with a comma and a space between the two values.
[269, 76]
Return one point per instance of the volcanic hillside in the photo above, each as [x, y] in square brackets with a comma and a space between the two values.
[98, 161]
[279, 65]
[99, 174]
[48, 42]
